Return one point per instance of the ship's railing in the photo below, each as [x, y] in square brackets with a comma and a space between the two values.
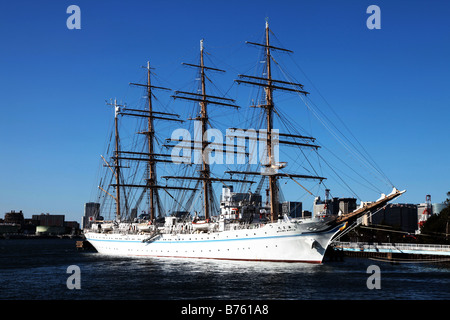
[183, 228]
[392, 246]
[240, 226]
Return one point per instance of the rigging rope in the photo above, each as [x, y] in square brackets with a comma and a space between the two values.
[370, 160]
[369, 163]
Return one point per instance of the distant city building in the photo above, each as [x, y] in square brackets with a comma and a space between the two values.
[44, 223]
[306, 214]
[12, 222]
[72, 224]
[346, 205]
[403, 216]
[49, 223]
[72, 227]
[292, 209]
[333, 206]
[436, 208]
[91, 212]
[54, 224]
[14, 217]
[49, 220]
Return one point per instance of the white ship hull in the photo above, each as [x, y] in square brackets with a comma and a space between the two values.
[278, 242]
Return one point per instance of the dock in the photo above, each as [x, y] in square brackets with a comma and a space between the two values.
[397, 252]
[84, 245]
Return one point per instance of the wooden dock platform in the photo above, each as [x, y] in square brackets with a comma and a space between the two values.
[84, 245]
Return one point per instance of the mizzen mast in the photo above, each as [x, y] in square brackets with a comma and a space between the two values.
[116, 159]
[150, 157]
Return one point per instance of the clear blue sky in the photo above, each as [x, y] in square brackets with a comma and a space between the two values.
[391, 85]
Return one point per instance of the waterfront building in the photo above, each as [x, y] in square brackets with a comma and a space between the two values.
[49, 220]
[403, 216]
[49, 223]
[14, 217]
[91, 211]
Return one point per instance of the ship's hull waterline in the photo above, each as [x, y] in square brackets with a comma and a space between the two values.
[275, 242]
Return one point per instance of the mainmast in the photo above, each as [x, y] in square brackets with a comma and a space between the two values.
[204, 100]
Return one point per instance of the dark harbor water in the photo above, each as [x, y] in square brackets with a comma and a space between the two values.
[37, 269]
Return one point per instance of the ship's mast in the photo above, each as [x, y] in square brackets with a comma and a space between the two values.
[205, 173]
[150, 137]
[116, 160]
[269, 112]
[269, 84]
[150, 157]
[204, 100]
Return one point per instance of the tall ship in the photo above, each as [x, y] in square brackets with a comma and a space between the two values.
[237, 223]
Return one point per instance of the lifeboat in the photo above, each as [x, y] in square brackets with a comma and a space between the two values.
[144, 226]
[201, 225]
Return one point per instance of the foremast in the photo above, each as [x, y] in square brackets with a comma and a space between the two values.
[269, 114]
[205, 172]
[269, 84]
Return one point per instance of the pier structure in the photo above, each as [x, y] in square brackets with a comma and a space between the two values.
[394, 251]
